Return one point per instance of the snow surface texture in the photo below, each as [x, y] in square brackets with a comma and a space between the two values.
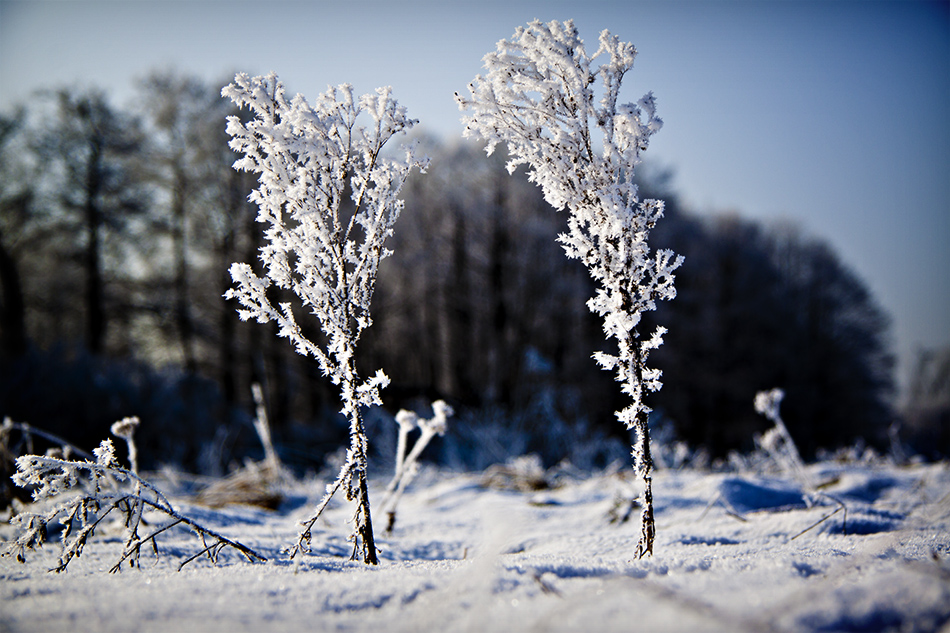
[464, 557]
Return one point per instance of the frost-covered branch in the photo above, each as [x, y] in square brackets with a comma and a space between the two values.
[102, 490]
[310, 161]
[540, 98]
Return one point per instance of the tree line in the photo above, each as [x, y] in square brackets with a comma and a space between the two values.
[118, 225]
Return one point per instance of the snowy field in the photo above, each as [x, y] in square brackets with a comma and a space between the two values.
[732, 554]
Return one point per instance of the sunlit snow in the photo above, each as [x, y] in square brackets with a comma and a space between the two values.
[734, 552]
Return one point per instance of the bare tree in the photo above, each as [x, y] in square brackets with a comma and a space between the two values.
[90, 146]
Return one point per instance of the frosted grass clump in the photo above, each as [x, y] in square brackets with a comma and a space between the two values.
[329, 199]
[82, 494]
[540, 98]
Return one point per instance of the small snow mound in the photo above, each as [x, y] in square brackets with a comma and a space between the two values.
[866, 487]
[763, 496]
[699, 540]
[867, 521]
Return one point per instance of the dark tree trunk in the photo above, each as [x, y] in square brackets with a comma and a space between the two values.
[498, 260]
[183, 319]
[92, 261]
[13, 309]
[461, 310]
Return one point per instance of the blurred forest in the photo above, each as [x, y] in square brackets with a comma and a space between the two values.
[117, 228]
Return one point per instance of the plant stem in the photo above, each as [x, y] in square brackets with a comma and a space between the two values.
[364, 528]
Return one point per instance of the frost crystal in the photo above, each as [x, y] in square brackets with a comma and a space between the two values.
[105, 454]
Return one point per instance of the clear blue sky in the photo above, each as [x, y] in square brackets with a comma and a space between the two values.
[832, 114]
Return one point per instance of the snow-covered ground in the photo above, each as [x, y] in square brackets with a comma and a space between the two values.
[465, 557]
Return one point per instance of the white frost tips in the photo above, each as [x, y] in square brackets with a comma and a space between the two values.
[105, 454]
[767, 403]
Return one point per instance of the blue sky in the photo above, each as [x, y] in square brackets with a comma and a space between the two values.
[833, 114]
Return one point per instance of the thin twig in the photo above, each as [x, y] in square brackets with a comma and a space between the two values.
[28, 429]
[822, 520]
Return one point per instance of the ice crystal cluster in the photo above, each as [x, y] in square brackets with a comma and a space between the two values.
[556, 108]
[329, 199]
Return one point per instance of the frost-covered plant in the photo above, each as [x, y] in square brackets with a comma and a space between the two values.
[262, 426]
[102, 489]
[781, 450]
[540, 97]
[310, 159]
[524, 473]
[125, 428]
[777, 443]
[407, 421]
[407, 466]
[16, 438]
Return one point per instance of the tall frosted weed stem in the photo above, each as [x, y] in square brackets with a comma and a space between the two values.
[540, 98]
[328, 198]
[777, 442]
[125, 428]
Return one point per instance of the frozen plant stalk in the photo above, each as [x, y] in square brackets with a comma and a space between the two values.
[407, 466]
[310, 159]
[539, 98]
[777, 441]
[125, 428]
